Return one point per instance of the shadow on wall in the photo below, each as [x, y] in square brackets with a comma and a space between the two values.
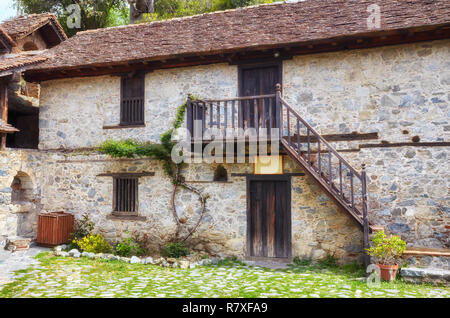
[24, 196]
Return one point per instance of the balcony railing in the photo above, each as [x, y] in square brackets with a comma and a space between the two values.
[234, 114]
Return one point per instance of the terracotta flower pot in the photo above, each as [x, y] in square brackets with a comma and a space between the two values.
[388, 272]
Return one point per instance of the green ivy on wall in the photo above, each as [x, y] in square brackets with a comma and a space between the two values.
[162, 152]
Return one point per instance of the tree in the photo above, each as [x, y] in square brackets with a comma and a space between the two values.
[138, 8]
[232, 4]
[167, 9]
[94, 14]
[104, 13]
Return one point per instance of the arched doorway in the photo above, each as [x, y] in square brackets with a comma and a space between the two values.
[23, 195]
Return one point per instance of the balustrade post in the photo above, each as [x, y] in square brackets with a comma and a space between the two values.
[189, 116]
[364, 212]
[278, 109]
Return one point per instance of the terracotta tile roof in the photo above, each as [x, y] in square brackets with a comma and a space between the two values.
[7, 128]
[6, 37]
[254, 27]
[21, 26]
[12, 62]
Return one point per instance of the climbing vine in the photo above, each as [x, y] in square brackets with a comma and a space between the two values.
[162, 151]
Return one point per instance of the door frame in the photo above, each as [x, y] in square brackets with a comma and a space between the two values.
[264, 177]
[246, 66]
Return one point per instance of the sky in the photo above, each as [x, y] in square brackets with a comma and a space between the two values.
[7, 10]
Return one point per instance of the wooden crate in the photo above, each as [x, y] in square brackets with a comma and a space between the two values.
[54, 228]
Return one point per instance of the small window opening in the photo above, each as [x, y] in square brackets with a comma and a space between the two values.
[27, 121]
[220, 174]
[125, 196]
[132, 100]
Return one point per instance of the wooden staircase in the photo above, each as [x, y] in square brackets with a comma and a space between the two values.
[308, 149]
[338, 179]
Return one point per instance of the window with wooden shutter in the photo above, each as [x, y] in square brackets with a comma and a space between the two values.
[125, 195]
[132, 100]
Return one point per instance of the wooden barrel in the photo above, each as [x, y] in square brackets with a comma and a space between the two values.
[54, 228]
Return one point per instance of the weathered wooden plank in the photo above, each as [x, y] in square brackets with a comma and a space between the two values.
[3, 110]
[126, 174]
[407, 144]
[270, 213]
[339, 137]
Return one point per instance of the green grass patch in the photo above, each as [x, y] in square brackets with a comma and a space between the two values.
[83, 277]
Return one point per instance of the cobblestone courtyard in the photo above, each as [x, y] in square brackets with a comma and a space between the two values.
[67, 277]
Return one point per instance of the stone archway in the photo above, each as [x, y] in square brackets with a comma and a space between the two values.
[22, 188]
[23, 197]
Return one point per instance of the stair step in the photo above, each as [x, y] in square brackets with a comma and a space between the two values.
[325, 181]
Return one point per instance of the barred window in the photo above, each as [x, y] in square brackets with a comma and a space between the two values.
[132, 100]
[125, 195]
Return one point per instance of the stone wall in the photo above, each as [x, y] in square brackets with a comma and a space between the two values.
[73, 112]
[18, 211]
[398, 91]
[73, 185]
[409, 192]
[76, 188]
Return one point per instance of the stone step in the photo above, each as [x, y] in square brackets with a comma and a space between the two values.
[17, 243]
[425, 275]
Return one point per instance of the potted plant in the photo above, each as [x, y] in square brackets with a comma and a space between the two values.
[387, 251]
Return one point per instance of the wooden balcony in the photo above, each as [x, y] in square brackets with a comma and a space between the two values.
[232, 116]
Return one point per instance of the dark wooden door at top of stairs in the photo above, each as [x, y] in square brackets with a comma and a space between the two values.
[254, 81]
[269, 228]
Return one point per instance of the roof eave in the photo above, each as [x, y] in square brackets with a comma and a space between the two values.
[345, 42]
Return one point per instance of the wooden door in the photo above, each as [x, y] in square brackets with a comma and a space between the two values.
[255, 81]
[269, 217]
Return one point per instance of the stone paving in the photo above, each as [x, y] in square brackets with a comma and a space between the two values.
[10, 262]
[82, 277]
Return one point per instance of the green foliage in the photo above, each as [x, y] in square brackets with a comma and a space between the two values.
[142, 240]
[162, 152]
[94, 13]
[126, 247]
[174, 249]
[231, 261]
[232, 4]
[387, 250]
[106, 13]
[71, 245]
[100, 277]
[167, 9]
[354, 268]
[93, 244]
[133, 245]
[329, 261]
[302, 261]
[83, 227]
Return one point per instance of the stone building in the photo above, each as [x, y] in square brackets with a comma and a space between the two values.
[22, 43]
[375, 87]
